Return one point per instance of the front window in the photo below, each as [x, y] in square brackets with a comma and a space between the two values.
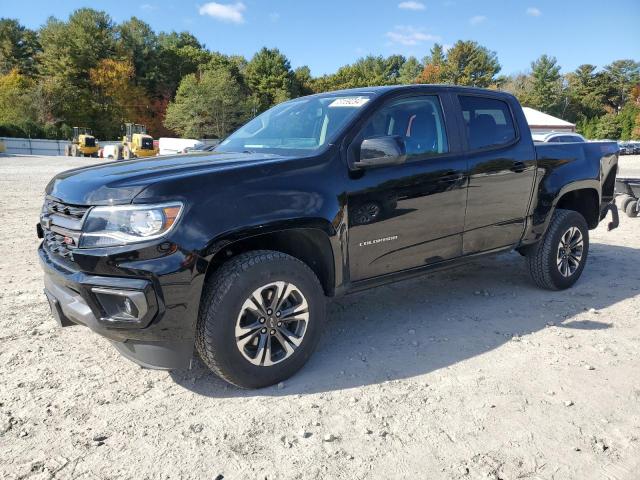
[298, 127]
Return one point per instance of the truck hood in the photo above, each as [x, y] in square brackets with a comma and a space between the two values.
[119, 182]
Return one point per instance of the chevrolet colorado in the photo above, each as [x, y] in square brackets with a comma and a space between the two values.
[233, 252]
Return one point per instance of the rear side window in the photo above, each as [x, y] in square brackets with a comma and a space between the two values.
[488, 120]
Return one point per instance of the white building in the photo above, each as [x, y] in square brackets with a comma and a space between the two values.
[541, 122]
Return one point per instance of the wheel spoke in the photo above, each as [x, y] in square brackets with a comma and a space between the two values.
[267, 360]
[287, 290]
[242, 342]
[283, 341]
[289, 337]
[565, 267]
[574, 261]
[257, 304]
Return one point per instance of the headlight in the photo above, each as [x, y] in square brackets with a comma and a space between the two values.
[121, 225]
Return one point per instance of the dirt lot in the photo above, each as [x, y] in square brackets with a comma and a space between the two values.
[472, 373]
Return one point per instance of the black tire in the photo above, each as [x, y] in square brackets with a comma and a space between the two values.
[543, 258]
[624, 201]
[222, 303]
[631, 209]
[126, 152]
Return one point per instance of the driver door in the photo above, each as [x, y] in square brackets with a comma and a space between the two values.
[408, 215]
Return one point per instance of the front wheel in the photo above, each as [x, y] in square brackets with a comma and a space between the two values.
[631, 208]
[260, 318]
[556, 262]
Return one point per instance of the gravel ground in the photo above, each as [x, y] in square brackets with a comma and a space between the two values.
[470, 373]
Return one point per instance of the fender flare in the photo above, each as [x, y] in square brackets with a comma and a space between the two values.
[318, 233]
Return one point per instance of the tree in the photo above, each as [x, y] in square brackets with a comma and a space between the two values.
[625, 74]
[16, 106]
[18, 46]
[518, 85]
[546, 88]
[437, 56]
[116, 97]
[608, 127]
[179, 54]
[70, 49]
[303, 82]
[210, 103]
[138, 43]
[468, 63]
[270, 78]
[365, 72]
[588, 91]
[410, 71]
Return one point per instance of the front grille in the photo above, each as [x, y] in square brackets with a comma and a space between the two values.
[54, 242]
[61, 226]
[55, 207]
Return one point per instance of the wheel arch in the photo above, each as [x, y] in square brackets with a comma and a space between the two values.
[584, 199]
[311, 246]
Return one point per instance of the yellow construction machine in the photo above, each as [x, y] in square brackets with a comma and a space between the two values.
[136, 142]
[83, 144]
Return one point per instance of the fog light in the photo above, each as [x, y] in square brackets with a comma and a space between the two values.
[121, 306]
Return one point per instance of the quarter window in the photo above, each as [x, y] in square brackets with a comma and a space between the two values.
[488, 121]
[416, 120]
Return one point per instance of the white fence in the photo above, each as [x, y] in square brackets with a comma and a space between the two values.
[37, 146]
[32, 146]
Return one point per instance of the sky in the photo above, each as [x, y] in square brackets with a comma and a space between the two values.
[326, 34]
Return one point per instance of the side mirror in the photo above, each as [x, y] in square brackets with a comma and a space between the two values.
[381, 151]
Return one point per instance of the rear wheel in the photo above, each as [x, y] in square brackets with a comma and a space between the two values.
[631, 209]
[260, 318]
[556, 262]
[126, 152]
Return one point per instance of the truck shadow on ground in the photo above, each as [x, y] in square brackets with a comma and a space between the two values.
[418, 326]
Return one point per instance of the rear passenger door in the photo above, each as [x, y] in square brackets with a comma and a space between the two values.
[501, 174]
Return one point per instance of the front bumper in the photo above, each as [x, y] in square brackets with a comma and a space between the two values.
[162, 337]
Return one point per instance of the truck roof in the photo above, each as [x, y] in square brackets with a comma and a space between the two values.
[380, 90]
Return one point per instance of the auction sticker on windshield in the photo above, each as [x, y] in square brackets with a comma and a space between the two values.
[349, 102]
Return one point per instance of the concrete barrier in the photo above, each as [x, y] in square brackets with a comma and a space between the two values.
[38, 146]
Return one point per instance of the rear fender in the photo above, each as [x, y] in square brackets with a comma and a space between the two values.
[546, 204]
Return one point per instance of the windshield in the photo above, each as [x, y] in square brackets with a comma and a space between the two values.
[298, 127]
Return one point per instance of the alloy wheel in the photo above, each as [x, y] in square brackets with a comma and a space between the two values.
[570, 251]
[272, 323]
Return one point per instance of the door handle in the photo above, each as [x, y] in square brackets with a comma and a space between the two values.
[518, 167]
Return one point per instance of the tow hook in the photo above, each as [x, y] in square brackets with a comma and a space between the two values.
[615, 221]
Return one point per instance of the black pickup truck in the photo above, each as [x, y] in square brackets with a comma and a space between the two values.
[234, 252]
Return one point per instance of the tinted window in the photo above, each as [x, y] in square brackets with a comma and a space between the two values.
[298, 127]
[417, 120]
[489, 122]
